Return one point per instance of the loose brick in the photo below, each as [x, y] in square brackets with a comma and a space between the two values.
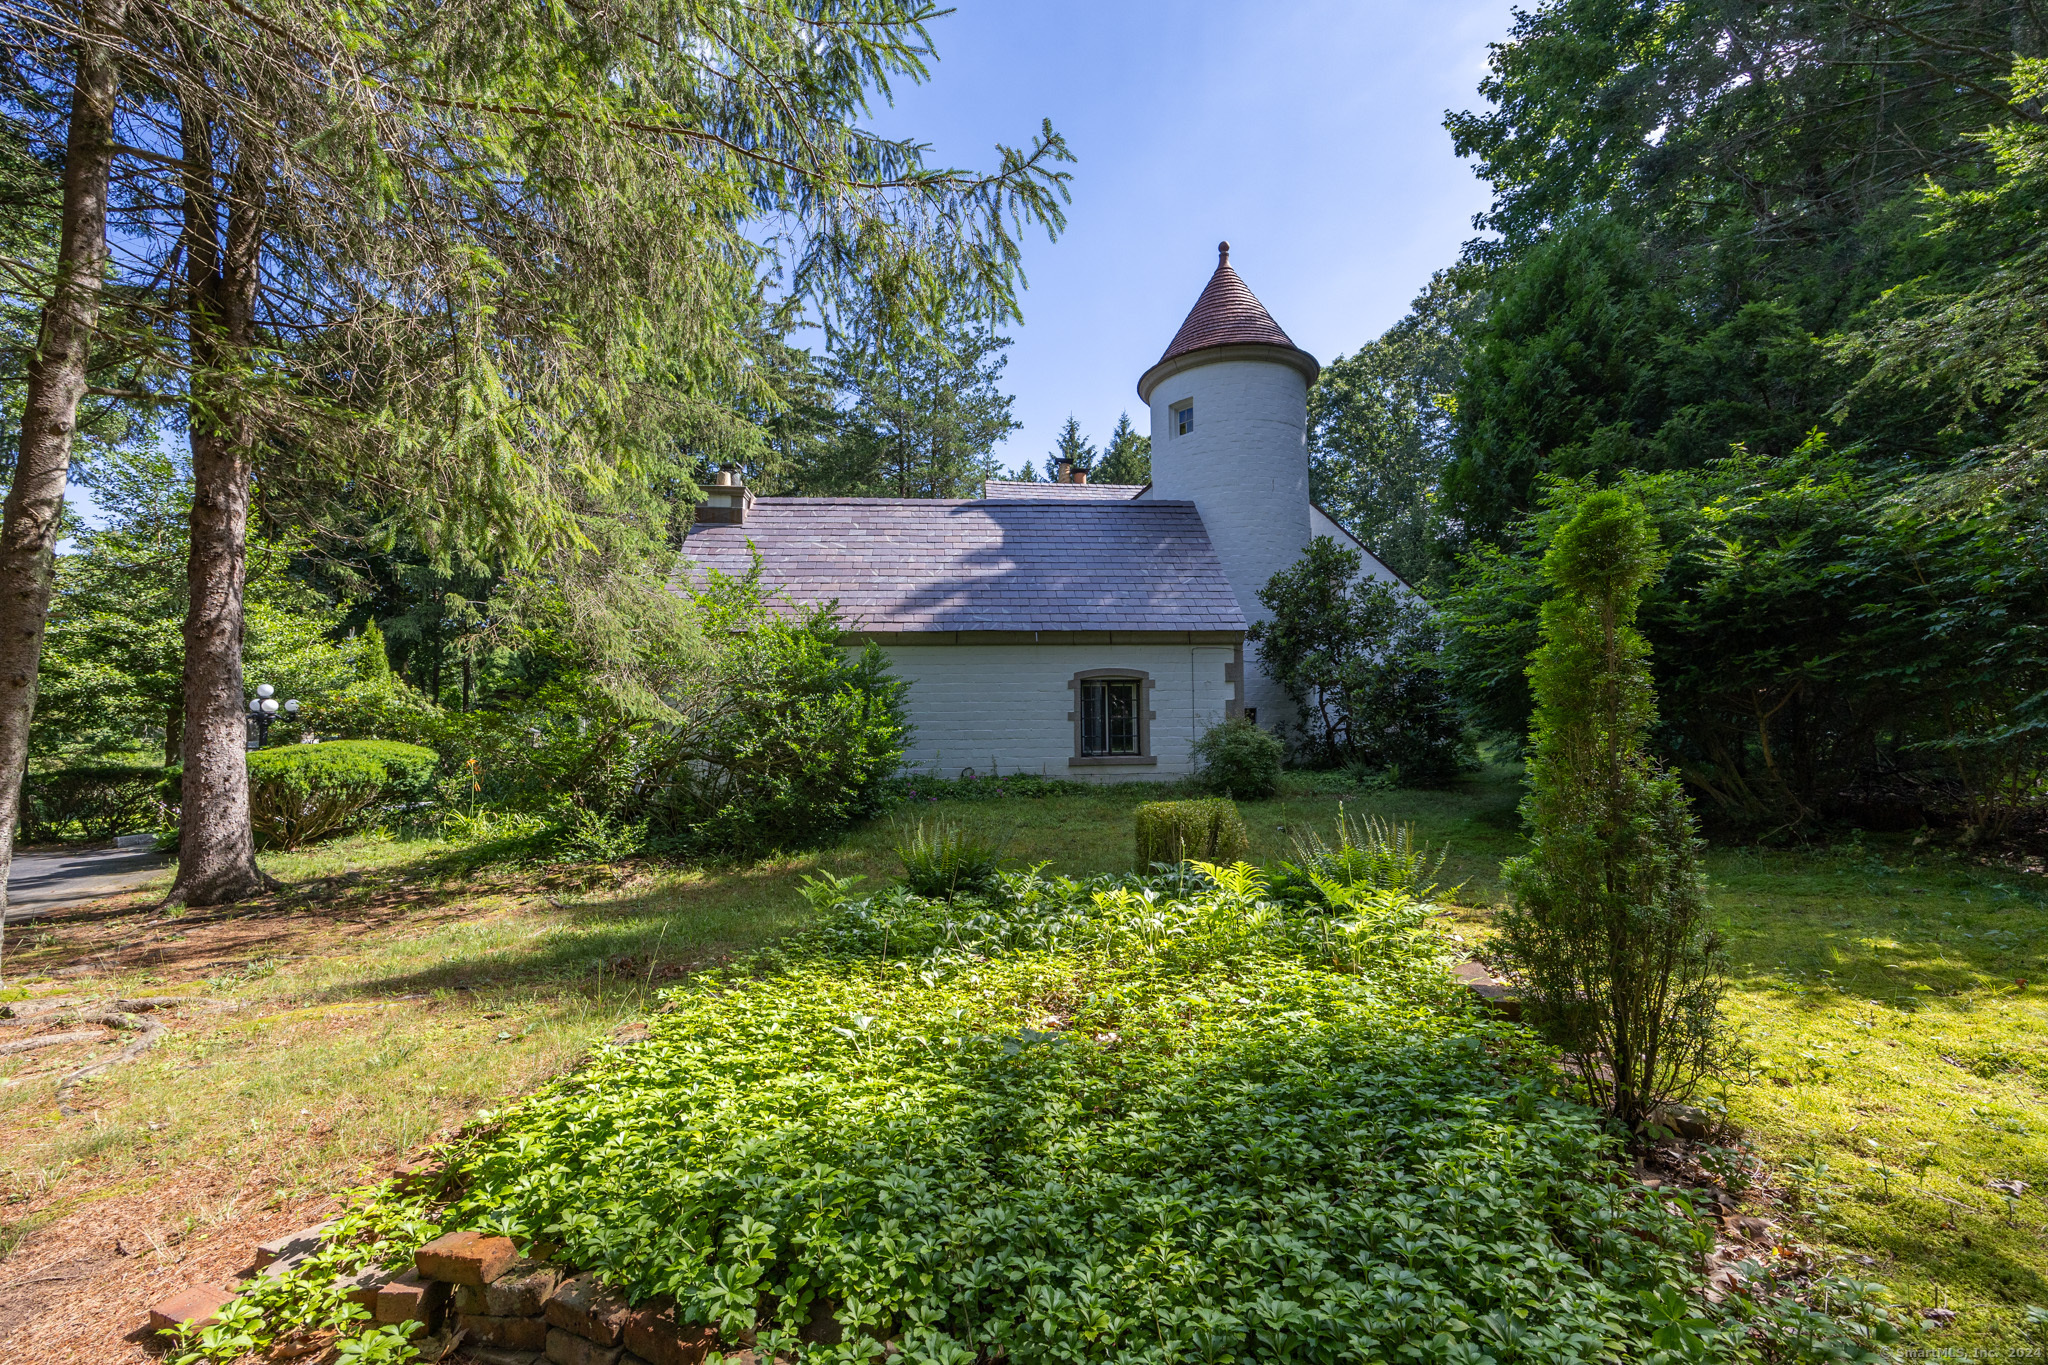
[469, 1299]
[566, 1348]
[521, 1292]
[520, 1334]
[362, 1286]
[189, 1309]
[410, 1298]
[293, 1246]
[581, 1305]
[472, 1258]
[652, 1334]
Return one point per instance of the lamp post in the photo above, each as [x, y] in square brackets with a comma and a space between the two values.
[263, 709]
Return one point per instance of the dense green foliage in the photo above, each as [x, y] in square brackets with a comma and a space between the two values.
[1127, 457]
[301, 792]
[91, 801]
[782, 739]
[1237, 759]
[1124, 1119]
[1381, 423]
[913, 417]
[1969, 330]
[1776, 272]
[1173, 832]
[1674, 239]
[1360, 657]
[1818, 661]
[112, 679]
[1605, 927]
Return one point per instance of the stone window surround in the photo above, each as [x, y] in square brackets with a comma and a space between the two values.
[1144, 758]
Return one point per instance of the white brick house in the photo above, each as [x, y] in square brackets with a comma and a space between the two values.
[1076, 630]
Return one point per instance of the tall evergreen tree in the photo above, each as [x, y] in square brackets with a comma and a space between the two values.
[1606, 926]
[1127, 458]
[1071, 451]
[918, 418]
[83, 74]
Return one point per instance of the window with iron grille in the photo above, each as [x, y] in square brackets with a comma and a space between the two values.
[1109, 717]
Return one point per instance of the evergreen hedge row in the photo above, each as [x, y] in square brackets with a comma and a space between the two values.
[301, 792]
[91, 801]
[1173, 832]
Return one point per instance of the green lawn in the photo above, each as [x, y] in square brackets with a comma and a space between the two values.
[388, 995]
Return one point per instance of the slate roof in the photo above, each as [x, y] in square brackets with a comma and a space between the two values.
[1041, 492]
[915, 564]
[1227, 314]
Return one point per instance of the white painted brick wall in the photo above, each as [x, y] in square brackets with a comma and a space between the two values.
[1004, 708]
[1245, 467]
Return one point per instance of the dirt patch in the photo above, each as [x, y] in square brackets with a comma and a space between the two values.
[76, 1290]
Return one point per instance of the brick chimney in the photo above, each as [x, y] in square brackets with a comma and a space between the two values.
[1080, 476]
[727, 501]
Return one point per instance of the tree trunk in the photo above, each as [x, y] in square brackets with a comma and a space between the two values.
[56, 384]
[216, 852]
[466, 677]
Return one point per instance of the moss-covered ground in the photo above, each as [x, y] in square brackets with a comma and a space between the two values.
[1887, 990]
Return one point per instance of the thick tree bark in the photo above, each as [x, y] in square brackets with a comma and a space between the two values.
[56, 384]
[216, 853]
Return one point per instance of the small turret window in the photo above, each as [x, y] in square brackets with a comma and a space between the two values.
[1184, 417]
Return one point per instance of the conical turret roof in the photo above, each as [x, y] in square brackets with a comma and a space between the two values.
[1227, 314]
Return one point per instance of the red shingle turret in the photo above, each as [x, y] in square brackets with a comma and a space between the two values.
[1227, 314]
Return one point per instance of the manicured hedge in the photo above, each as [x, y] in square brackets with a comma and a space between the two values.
[91, 801]
[1175, 831]
[300, 792]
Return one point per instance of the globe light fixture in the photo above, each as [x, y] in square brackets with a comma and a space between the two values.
[263, 709]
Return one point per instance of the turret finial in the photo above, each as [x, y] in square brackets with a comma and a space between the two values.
[1222, 254]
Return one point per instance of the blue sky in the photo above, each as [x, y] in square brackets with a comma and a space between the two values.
[1309, 134]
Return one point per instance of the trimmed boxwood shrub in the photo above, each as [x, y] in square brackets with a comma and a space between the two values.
[1240, 760]
[91, 801]
[1176, 831]
[300, 792]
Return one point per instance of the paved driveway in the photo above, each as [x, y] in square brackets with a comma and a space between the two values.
[42, 882]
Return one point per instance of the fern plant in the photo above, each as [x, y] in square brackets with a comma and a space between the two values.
[942, 860]
[1370, 855]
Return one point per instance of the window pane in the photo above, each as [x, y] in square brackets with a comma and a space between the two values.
[1109, 717]
[1123, 717]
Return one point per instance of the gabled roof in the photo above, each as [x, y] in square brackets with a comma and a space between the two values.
[915, 564]
[1226, 314]
[1042, 492]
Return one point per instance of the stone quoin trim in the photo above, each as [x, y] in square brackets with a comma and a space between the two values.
[1144, 758]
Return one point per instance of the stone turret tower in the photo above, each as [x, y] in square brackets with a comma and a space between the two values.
[1229, 404]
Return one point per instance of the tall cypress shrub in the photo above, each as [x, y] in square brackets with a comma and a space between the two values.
[1606, 930]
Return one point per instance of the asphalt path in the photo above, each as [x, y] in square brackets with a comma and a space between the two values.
[42, 882]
